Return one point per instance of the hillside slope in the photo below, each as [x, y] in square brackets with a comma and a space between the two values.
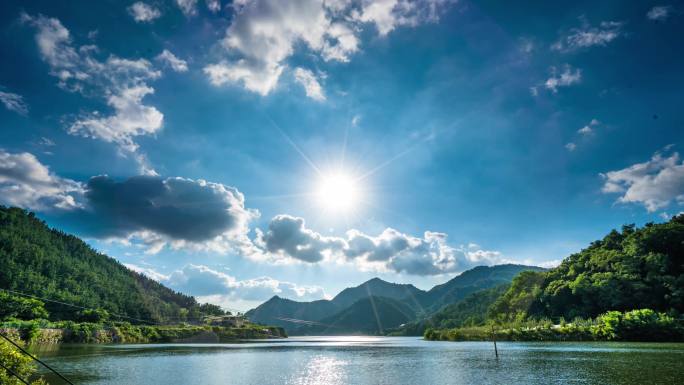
[632, 269]
[371, 315]
[48, 263]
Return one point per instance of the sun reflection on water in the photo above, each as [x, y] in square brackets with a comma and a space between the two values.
[323, 370]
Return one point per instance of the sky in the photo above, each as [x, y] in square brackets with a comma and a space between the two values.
[240, 150]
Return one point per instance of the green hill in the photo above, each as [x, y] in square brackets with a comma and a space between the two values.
[472, 310]
[48, 263]
[631, 269]
[292, 315]
[371, 315]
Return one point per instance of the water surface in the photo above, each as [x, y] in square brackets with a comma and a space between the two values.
[369, 360]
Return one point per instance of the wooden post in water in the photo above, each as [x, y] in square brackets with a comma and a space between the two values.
[496, 351]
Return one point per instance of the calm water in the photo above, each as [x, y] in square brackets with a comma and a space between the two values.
[370, 360]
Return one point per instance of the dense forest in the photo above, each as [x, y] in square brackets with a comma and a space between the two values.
[634, 268]
[48, 263]
[628, 285]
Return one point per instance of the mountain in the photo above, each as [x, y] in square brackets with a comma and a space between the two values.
[470, 281]
[376, 287]
[635, 268]
[369, 315]
[276, 310]
[471, 310]
[405, 299]
[48, 263]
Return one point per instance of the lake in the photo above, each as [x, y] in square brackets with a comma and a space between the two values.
[369, 360]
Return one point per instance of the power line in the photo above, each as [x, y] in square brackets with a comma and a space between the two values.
[36, 359]
[10, 371]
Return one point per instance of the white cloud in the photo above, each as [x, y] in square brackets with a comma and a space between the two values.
[588, 129]
[148, 272]
[14, 102]
[214, 5]
[203, 281]
[172, 61]
[311, 85]
[142, 12]
[655, 183]
[566, 78]
[288, 239]
[264, 33]
[122, 82]
[188, 7]
[659, 12]
[131, 118]
[588, 36]
[571, 146]
[27, 183]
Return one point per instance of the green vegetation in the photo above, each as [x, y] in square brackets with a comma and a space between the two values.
[18, 363]
[471, 311]
[48, 263]
[627, 286]
[413, 304]
[635, 325]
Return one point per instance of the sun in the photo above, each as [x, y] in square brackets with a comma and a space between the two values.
[338, 192]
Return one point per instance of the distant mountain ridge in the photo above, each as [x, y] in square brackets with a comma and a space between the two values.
[377, 305]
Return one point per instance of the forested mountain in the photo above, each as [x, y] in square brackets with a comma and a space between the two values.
[369, 315]
[471, 310]
[48, 263]
[282, 312]
[404, 303]
[631, 269]
[375, 287]
[470, 281]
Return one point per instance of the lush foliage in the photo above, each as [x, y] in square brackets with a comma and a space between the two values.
[470, 311]
[12, 306]
[635, 267]
[48, 263]
[635, 325]
[20, 364]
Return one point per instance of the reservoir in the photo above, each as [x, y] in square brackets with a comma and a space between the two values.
[368, 360]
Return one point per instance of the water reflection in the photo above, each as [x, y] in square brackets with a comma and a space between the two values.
[369, 361]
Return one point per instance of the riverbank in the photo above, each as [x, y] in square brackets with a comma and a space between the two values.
[635, 325]
[44, 332]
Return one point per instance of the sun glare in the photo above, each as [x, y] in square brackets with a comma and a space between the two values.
[338, 192]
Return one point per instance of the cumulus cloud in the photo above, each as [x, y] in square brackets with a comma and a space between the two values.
[122, 82]
[264, 33]
[288, 238]
[571, 146]
[587, 36]
[176, 64]
[159, 211]
[143, 13]
[565, 78]
[14, 102]
[27, 183]
[310, 83]
[655, 184]
[188, 7]
[203, 281]
[659, 13]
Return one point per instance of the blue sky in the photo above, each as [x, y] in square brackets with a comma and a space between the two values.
[240, 150]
